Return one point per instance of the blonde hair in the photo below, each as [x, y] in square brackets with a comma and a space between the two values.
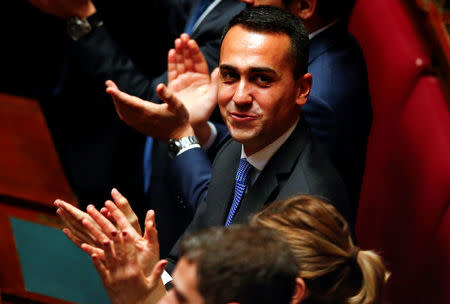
[333, 268]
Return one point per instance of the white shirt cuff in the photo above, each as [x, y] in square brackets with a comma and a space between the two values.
[212, 137]
[188, 148]
[165, 277]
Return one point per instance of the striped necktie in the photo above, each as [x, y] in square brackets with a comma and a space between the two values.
[242, 179]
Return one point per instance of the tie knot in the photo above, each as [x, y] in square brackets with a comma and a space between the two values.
[243, 173]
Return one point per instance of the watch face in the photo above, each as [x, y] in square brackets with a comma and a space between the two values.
[77, 27]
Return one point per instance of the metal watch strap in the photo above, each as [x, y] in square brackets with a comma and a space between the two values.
[176, 145]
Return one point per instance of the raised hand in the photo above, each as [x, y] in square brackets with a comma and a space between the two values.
[73, 219]
[129, 267]
[65, 8]
[147, 246]
[162, 121]
[75, 230]
[190, 82]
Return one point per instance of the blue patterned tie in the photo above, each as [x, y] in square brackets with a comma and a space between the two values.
[242, 178]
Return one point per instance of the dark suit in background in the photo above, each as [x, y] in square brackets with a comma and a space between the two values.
[298, 167]
[340, 82]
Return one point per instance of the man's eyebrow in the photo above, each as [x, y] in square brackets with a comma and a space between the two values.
[252, 69]
[227, 67]
[262, 70]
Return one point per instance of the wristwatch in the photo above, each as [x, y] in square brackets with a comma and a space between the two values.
[176, 145]
[78, 27]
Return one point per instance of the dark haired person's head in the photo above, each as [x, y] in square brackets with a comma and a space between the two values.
[270, 19]
[240, 264]
[263, 77]
[333, 269]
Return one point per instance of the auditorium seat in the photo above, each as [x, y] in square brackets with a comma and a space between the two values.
[403, 208]
[38, 264]
[29, 165]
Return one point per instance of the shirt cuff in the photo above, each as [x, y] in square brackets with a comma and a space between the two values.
[212, 137]
[165, 277]
[188, 148]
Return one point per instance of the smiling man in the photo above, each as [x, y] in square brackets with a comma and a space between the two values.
[263, 83]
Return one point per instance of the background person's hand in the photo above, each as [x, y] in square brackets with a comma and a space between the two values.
[65, 8]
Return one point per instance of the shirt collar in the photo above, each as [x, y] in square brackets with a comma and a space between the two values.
[260, 159]
[315, 33]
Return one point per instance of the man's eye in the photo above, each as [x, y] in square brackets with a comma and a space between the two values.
[263, 80]
[229, 76]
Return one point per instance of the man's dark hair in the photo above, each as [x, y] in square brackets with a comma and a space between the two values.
[242, 264]
[270, 19]
[330, 9]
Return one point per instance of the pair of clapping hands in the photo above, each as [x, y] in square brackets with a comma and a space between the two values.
[127, 261]
[190, 97]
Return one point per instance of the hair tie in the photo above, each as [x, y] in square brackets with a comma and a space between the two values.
[354, 255]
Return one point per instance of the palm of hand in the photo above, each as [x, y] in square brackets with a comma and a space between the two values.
[196, 93]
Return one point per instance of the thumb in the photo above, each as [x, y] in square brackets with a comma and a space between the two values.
[111, 84]
[168, 97]
[157, 271]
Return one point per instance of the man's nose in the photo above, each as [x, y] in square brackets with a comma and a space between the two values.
[242, 94]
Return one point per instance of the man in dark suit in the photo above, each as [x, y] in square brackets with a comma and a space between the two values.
[338, 110]
[272, 155]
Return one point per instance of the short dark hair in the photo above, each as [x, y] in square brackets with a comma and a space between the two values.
[270, 19]
[242, 264]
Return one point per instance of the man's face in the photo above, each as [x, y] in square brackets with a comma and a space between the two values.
[184, 289]
[258, 96]
[278, 3]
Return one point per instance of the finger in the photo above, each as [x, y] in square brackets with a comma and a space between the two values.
[124, 98]
[119, 218]
[109, 253]
[151, 234]
[181, 68]
[124, 206]
[129, 250]
[165, 94]
[171, 65]
[157, 271]
[93, 250]
[111, 84]
[187, 60]
[104, 212]
[105, 225]
[199, 61]
[76, 228]
[101, 269]
[97, 233]
[77, 241]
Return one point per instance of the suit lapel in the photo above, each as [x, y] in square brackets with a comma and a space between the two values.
[276, 172]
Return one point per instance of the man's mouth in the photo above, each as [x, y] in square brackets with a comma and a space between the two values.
[242, 116]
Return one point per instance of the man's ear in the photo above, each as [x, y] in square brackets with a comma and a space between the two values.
[299, 291]
[304, 84]
[304, 9]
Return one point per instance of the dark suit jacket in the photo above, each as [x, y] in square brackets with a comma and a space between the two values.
[298, 167]
[340, 88]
